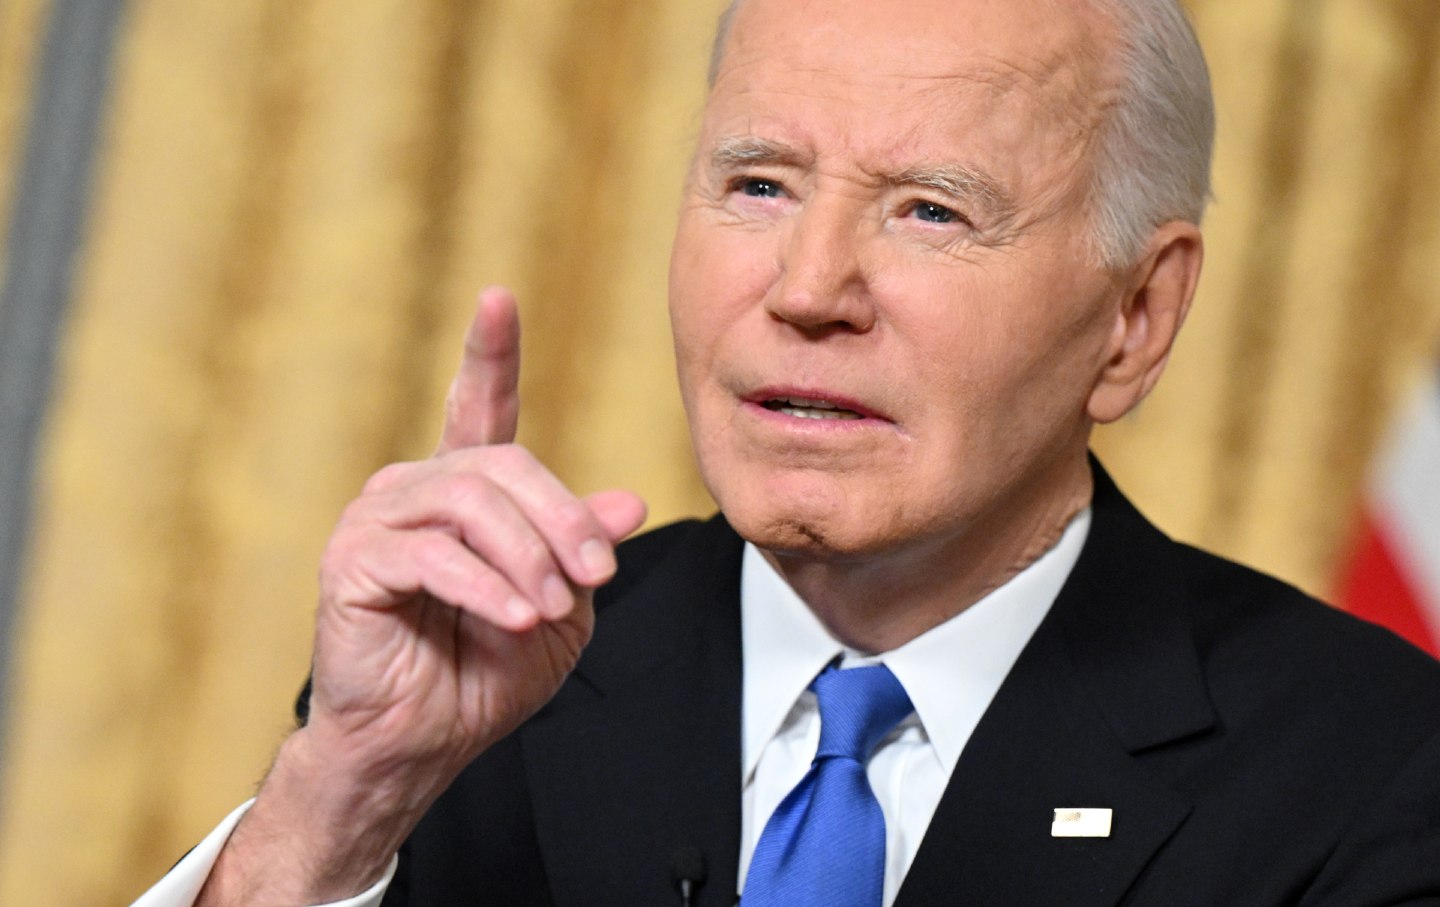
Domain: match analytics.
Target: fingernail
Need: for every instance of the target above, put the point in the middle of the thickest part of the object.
(598, 560)
(557, 595)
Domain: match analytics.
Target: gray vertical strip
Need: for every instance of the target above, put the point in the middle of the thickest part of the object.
(51, 200)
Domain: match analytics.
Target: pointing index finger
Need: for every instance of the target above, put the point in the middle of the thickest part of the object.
(483, 405)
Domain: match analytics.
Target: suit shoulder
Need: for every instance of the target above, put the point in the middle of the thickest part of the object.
(1279, 636)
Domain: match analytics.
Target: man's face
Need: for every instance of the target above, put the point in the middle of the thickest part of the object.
(886, 323)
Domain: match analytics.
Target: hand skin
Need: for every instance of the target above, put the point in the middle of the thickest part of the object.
(455, 597)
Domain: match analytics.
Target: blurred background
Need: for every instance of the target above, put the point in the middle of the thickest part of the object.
(241, 241)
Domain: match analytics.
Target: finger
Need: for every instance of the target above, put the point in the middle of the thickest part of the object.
(475, 509)
(393, 476)
(583, 545)
(620, 512)
(388, 568)
(483, 405)
(458, 490)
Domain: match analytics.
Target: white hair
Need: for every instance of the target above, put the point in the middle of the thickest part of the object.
(1152, 158)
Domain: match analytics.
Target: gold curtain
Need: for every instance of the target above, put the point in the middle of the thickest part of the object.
(1320, 304)
(295, 204)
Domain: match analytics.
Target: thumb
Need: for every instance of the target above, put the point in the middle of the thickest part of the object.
(620, 512)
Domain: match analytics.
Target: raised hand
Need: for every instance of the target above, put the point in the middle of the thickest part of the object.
(455, 592)
(455, 596)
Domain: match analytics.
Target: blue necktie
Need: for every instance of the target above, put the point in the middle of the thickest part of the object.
(825, 844)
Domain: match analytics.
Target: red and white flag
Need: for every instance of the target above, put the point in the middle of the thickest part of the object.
(1393, 577)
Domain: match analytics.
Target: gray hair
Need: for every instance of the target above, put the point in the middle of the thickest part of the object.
(1152, 159)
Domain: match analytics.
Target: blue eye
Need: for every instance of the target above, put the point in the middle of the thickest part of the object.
(935, 214)
(758, 188)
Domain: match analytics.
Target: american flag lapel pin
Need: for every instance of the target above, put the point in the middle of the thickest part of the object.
(1081, 822)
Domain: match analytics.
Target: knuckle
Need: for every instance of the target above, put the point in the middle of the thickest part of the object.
(345, 568)
(387, 478)
(487, 586)
(332, 564)
(436, 557)
(532, 556)
(467, 491)
(571, 517)
(455, 575)
(512, 459)
(392, 475)
(356, 513)
(341, 551)
(427, 552)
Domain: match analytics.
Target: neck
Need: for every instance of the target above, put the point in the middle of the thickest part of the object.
(879, 604)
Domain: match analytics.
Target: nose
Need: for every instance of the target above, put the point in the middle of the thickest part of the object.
(822, 287)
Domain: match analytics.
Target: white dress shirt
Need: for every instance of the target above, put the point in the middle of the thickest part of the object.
(950, 673)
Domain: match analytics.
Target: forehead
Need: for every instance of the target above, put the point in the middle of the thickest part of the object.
(1041, 39)
(902, 75)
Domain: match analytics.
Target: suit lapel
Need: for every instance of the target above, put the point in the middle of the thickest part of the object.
(1110, 676)
(624, 769)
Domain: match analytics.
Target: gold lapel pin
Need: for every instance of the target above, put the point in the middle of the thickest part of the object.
(1081, 822)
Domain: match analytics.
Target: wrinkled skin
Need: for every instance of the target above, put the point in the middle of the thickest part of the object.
(894, 219)
(455, 597)
(886, 216)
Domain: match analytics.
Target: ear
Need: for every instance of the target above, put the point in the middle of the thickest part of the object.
(1156, 297)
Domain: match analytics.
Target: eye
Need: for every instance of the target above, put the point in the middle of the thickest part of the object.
(935, 214)
(760, 188)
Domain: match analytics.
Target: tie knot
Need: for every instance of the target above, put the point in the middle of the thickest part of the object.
(858, 707)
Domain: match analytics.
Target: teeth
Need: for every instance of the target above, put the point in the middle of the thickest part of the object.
(812, 404)
(805, 408)
(818, 413)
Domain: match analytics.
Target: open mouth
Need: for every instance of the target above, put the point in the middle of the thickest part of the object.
(805, 408)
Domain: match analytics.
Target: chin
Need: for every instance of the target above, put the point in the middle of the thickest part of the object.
(788, 534)
(833, 527)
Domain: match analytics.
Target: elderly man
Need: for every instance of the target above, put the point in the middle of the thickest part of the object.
(928, 653)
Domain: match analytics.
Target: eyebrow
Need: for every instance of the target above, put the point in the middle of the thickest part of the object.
(734, 151)
(959, 181)
(955, 180)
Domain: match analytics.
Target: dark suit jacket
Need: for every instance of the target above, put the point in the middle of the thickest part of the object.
(1256, 747)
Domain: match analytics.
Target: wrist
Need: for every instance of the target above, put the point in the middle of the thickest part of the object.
(322, 829)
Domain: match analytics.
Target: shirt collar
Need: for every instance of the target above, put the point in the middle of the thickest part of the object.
(951, 672)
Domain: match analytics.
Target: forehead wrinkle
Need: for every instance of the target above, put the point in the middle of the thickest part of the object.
(1065, 85)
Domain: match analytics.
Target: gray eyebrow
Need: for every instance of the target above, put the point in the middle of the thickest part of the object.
(734, 150)
(960, 182)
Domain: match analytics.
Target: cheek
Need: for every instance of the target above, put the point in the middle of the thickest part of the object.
(716, 276)
(953, 332)
(996, 362)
